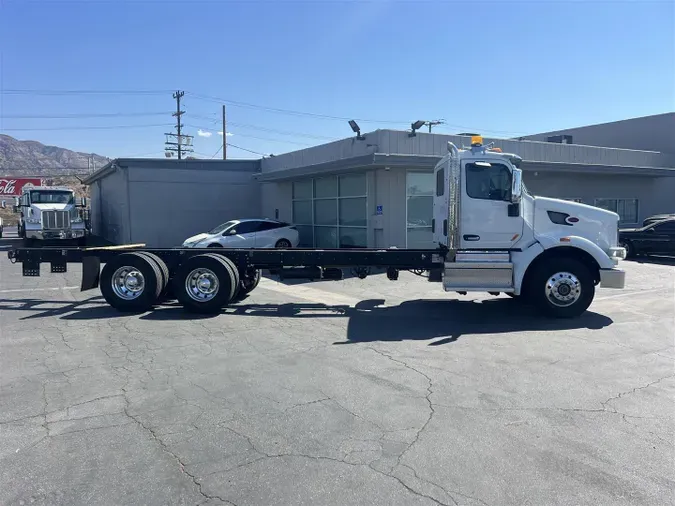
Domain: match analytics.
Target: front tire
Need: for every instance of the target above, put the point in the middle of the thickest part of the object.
(562, 287)
(283, 244)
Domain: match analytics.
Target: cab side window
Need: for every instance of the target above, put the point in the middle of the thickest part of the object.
(488, 181)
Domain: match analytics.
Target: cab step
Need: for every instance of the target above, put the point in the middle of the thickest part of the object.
(479, 271)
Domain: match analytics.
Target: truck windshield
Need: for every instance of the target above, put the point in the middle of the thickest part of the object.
(52, 197)
(221, 228)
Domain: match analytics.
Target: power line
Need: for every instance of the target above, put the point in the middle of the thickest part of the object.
(264, 129)
(290, 111)
(256, 137)
(14, 91)
(106, 127)
(244, 149)
(83, 115)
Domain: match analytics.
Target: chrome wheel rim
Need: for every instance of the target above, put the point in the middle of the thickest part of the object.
(202, 285)
(563, 289)
(128, 282)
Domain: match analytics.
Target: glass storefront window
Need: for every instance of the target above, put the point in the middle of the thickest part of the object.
(420, 188)
(302, 190)
(326, 187)
(353, 185)
(331, 212)
(325, 212)
(326, 237)
(353, 212)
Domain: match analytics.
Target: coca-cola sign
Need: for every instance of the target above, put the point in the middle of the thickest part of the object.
(12, 187)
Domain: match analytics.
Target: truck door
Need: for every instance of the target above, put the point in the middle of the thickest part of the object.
(488, 218)
(439, 224)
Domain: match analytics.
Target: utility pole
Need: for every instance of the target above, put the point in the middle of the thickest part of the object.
(178, 95)
(434, 123)
(183, 143)
(224, 136)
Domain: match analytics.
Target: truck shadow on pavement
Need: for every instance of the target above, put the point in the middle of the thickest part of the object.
(368, 321)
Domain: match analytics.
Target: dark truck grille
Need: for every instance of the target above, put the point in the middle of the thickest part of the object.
(55, 220)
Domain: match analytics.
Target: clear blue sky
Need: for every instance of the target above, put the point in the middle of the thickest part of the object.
(500, 68)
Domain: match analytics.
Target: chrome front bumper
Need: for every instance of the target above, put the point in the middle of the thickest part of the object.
(55, 234)
(612, 278)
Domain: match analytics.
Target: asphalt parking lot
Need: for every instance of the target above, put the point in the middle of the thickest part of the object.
(355, 392)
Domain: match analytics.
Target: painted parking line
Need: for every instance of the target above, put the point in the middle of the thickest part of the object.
(631, 294)
(309, 294)
(55, 289)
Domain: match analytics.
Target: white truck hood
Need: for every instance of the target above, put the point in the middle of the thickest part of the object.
(52, 207)
(597, 225)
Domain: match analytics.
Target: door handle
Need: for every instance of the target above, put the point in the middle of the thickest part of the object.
(471, 237)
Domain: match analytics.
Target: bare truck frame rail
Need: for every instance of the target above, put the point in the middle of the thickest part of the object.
(135, 278)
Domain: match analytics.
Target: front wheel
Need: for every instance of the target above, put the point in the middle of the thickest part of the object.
(283, 244)
(630, 249)
(562, 287)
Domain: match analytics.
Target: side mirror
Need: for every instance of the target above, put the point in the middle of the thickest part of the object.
(232, 231)
(4, 205)
(83, 202)
(17, 202)
(517, 186)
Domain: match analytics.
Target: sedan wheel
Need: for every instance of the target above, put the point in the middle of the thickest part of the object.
(628, 247)
(283, 243)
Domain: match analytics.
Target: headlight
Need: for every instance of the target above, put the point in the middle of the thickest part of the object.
(76, 219)
(619, 253)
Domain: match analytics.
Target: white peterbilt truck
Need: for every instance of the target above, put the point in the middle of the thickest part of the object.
(490, 234)
(50, 212)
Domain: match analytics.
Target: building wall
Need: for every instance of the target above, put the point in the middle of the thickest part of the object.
(209, 197)
(277, 196)
(110, 208)
(399, 142)
(588, 187)
(650, 133)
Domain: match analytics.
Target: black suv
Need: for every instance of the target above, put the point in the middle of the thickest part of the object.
(657, 237)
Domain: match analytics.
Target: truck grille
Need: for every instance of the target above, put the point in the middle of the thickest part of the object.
(55, 220)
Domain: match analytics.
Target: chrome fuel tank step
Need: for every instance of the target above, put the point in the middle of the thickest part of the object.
(479, 271)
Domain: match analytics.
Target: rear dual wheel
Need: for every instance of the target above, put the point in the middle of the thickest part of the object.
(133, 282)
(206, 283)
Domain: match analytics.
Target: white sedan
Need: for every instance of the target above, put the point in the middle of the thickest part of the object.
(260, 233)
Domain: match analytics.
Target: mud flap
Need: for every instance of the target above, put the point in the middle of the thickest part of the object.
(91, 272)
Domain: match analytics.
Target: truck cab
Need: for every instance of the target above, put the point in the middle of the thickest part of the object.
(501, 238)
(47, 212)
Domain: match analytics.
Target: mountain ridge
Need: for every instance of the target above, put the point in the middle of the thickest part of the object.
(23, 158)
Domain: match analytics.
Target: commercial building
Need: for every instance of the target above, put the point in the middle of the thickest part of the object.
(376, 189)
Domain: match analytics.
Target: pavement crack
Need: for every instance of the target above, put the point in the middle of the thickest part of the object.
(632, 391)
(168, 451)
(427, 397)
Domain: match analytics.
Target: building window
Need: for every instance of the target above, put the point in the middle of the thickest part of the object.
(627, 209)
(420, 188)
(331, 212)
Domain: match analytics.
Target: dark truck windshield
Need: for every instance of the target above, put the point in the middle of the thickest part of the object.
(51, 197)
